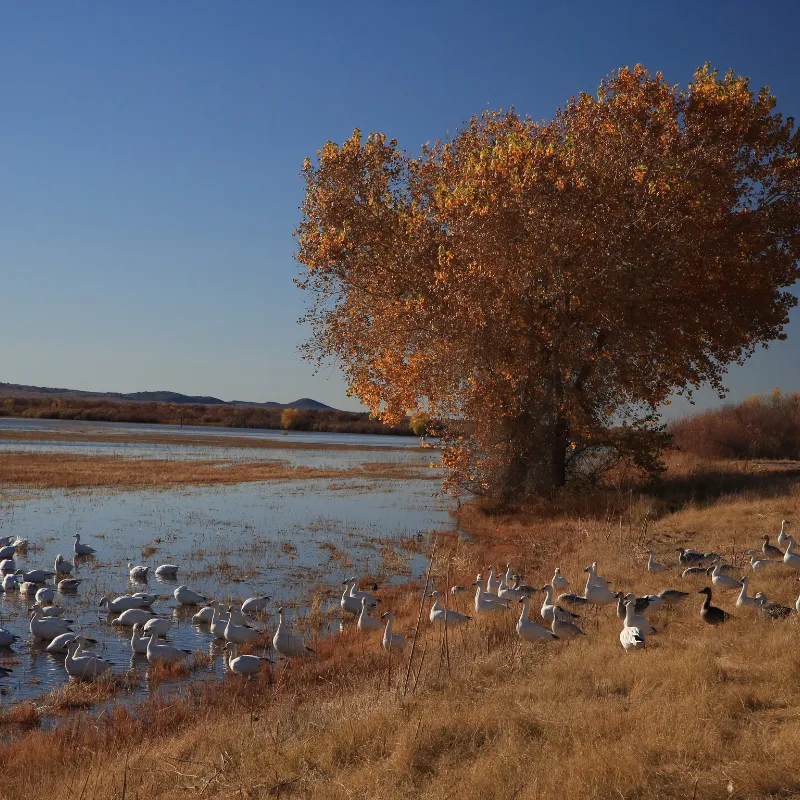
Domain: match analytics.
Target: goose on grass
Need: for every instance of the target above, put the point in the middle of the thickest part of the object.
(563, 628)
(245, 665)
(528, 629)
(392, 641)
(367, 623)
(445, 616)
(547, 610)
(769, 550)
(286, 643)
(653, 565)
(711, 614)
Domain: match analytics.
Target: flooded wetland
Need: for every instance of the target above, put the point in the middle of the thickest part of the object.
(330, 510)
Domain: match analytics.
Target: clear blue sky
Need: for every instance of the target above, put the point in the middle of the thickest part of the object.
(150, 154)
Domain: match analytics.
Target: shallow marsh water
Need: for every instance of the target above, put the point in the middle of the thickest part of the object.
(291, 540)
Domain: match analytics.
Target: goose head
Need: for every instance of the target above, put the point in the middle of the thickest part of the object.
(548, 587)
(231, 648)
(104, 601)
(387, 615)
(706, 591)
(436, 595)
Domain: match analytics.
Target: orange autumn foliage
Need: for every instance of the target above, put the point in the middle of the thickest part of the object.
(544, 286)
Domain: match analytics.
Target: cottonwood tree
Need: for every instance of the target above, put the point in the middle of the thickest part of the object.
(545, 286)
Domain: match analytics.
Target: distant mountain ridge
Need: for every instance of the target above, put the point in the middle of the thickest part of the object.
(21, 390)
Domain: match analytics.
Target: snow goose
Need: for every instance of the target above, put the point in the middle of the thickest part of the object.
(634, 620)
(745, 599)
(711, 614)
(204, 615)
(529, 630)
(563, 628)
(167, 571)
(138, 574)
(4, 541)
(695, 571)
(797, 603)
(59, 644)
(66, 585)
(8, 565)
(509, 576)
(47, 628)
(164, 652)
(653, 565)
(287, 644)
(62, 566)
(457, 590)
(159, 626)
(45, 595)
(689, 557)
(597, 580)
(6, 638)
(254, 605)
(132, 616)
(445, 616)
(506, 592)
(123, 603)
(769, 550)
(367, 623)
(492, 583)
(485, 601)
(392, 642)
(783, 536)
(349, 603)
(244, 665)
(547, 610)
(790, 558)
(7, 552)
(723, 581)
(559, 582)
(35, 575)
(772, 610)
(10, 583)
(186, 597)
(146, 597)
(219, 621)
(235, 629)
(761, 563)
(358, 594)
(50, 611)
(598, 595)
(138, 641)
(85, 666)
(631, 638)
(80, 548)
(21, 543)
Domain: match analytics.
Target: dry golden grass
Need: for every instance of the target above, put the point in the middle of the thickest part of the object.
(702, 713)
(70, 471)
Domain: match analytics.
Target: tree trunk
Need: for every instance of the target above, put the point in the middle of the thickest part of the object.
(558, 458)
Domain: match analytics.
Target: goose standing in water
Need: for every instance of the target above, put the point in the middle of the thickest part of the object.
(132, 616)
(7, 552)
(159, 626)
(6, 638)
(528, 629)
(559, 582)
(286, 643)
(122, 603)
(138, 641)
(255, 605)
(769, 550)
(82, 549)
(563, 628)
(47, 628)
(367, 623)
(138, 574)
(8, 565)
(356, 593)
(219, 621)
(164, 652)
(653, 565)
(711, 614)
(186, 597)
(49, 612)
(10, 583)
(66, 585)
(62, 566)
(45, 595)
(204, 615)
(348, 603)
(35, 575)
(85, 666)
(445, 616)
(167, 571)
(59, 644)
(236, 630)
(392, 642)
(244, 665)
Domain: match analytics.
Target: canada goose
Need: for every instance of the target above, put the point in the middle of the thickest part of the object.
(769, 550)
(529, 630)
(711, 614)
(392, 642)
(286, 643)
(442, 616)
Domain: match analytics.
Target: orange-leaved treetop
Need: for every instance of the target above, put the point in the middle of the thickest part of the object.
(542, 288)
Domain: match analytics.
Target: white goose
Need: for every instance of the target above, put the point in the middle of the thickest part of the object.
(219, 621)
(186, 597)
(138, 641)
(631, 638)
(35, 575)
(445, 616)
(59, 644)
(84, 666)
(10, 583)
(745, 599)
(356, 593)
(45, 595)
(286, 643)
(50, 611)
(123, 603)
(509, 592)
(236, 630)
(138, 574)
(254, 605)
(783, 536)
(244, 665)
(634, 620)
(761, 563)
(133, 616)
(486, 602)
(47, 628)
(509, 576)
(598, 595)
(597, 580)
(6, 638)
(367, 623)
(790, 558)
(653, 565)
(146, 597)
(62, 566)
(66, 585)
(547, 610)
(164, 652)
(529, 630)
(559, 582)
(167, 571)
(159, 626)
(8, 565)
(723, 581)
(392, 642)
(204, 615)
(562, 627)
(7, 551)
(492, 584)
(82, 549)
(348, 603)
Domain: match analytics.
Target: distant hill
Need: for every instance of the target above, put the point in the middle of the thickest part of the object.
(21, 390)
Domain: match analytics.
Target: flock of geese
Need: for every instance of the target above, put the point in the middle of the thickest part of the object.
(495, 594)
